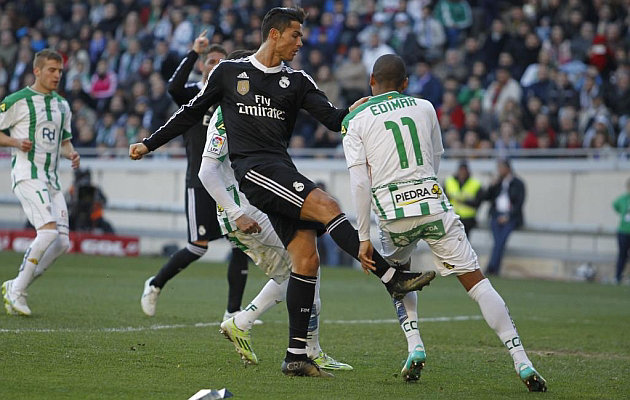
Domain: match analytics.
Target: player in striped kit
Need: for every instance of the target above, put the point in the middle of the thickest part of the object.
(250, 230)
(393, 145)
(38, 122)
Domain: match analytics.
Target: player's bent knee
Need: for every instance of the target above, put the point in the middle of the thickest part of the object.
(64, 243)
(306, 265)
(47, 236)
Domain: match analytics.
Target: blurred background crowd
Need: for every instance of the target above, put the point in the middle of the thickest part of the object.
(501, 74)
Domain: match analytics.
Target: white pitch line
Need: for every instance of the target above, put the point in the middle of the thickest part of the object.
(210, 324)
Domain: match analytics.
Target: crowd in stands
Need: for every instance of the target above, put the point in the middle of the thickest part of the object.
(501, 74)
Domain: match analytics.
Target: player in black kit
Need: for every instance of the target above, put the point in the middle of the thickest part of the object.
(260, 97)
(200, 207)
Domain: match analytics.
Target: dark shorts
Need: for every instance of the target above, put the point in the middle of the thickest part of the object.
(279, 191)
(201, 215)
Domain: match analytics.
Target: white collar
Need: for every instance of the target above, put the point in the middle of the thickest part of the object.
(263, 68)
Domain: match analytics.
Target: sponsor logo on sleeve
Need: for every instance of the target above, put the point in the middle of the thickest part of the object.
(216, 144)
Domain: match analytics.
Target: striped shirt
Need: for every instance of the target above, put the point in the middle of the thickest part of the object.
(397, 136)
(44, 119)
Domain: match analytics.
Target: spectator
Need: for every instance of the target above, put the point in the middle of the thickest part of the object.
(464, 193)
(327, 82)
(472, 53)
(453, 66)
(373, 50)
(621, 205)
(182, 33)
(451, 108)
(499, 91)
(495, 43)
(617, 95)
(456, 16)
(623, 139)
(52, 24)
(110, 20)
(352, 76)
(542, 88)
(164, 60)
(558, 46)
(103, 84)
(580, 44)
(22, 67)
(507, 139)
(542, 136)
(424, 85)
(471, 90)
(562, 93)
(430, 35)
(8, 48)
(378, 27)
(130, 61)
(506, 195)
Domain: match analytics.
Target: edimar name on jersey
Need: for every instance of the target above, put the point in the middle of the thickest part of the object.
(260, 111)
(392, 105)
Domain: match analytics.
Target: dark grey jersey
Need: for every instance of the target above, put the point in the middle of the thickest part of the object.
(259, 107)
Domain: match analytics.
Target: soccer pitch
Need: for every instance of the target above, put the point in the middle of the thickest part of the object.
(88, 338)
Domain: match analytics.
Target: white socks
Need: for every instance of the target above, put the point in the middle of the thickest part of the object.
(270, 295)
(498, 318)
(56, 249)
(407, 312)
(32, 257)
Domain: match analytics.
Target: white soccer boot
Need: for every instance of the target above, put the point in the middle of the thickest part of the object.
(14, 302)
(149, 298)
(227, 315)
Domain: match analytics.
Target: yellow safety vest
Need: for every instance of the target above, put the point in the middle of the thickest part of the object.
(457, 195)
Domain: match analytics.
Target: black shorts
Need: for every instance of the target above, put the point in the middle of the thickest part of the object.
(201, 215)
(279, 191)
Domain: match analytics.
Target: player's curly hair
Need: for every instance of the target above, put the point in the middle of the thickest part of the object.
(280, 18)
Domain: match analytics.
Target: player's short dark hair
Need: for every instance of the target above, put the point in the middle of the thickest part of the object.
(217, 48)
(389, 69)
(236, 54)
(46, 54)
(280, 18)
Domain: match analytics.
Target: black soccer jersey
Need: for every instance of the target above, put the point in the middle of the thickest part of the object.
(182, 92)
(259, 106)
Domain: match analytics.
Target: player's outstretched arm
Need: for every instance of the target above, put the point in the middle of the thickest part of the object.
(137, 151)
(68, 151)
(20, 144)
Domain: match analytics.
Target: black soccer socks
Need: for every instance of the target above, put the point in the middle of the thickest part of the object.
(237, 278)
(347, 238)
(300, 295)
(178, 262)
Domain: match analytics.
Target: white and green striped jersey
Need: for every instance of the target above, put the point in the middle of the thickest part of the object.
(44, 119)
(397, 136)
(217, 148)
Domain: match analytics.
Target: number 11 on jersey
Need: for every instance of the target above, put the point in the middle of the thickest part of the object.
(400, 144)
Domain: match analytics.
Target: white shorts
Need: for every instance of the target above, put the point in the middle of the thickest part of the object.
(42, 204)
(264, 248)
(444, 233)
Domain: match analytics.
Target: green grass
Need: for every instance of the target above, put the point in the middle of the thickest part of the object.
(577, 334)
